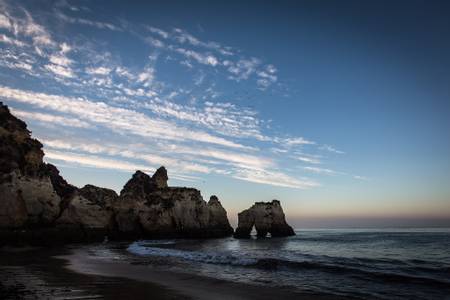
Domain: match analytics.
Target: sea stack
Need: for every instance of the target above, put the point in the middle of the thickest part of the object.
(267, 217)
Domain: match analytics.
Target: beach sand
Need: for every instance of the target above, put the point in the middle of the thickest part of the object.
(73, 273)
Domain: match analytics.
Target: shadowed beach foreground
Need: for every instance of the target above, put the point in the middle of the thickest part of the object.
(73, 273)
(314, 264)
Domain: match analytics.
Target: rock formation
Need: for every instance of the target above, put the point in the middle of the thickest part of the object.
(148, 206)
(28, 198)
(89, 210)
(36, 201)
(267, 217)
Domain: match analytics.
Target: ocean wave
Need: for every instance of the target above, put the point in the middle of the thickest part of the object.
(204, 257)
(363, 271)
(343, 266)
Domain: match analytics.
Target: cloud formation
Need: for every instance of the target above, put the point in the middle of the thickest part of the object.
(186, 121)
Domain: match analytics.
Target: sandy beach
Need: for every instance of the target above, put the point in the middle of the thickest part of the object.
(35, 273)
(73, 273)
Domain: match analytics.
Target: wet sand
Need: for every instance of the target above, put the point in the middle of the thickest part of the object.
(36, 273)
(73, 273)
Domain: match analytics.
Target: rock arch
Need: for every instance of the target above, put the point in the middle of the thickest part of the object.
(267, 217)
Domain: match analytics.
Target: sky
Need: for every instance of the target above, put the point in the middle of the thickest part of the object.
(340, 109)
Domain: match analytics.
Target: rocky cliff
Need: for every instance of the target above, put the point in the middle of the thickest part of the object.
(28, 198)
(267, 217)
(36, 202)
(147, 205)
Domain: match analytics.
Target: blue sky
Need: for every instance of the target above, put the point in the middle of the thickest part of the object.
(340, 110)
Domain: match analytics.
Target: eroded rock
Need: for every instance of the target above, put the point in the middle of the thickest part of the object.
(218, 219)
(267, 217)
(36, 202)
(149, 207)
(90, 208)
(160, 178)
(27, 196)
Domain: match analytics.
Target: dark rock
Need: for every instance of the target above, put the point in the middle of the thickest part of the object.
(218, 219)
(152, 209)
(18, 151)
(89, 209)
(62, 188)
(267, 217)
(38, 204)
(160, 178)
(28, 198)
(138, 186)
(103, 197)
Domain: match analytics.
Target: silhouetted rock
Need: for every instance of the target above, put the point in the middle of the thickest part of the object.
(18, 151)
(218, 219)
(27, 195)
(90, 209)
(139, 185)
(62, 188)
(37, 203)
(267, 217)
(160, 178)
(148, 207)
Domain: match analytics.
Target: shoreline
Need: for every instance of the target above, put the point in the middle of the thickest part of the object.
(65, 272)
(192, 286)
(42, 273)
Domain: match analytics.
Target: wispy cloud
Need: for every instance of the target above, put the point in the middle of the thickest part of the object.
(225, 118)
(117, 119)
(182, 36)
(95, 161)
(296, 141)
(98, 70)
(82, 21)
(60, 70)
(24, 27)
(274, 178)
(363, 178)
(153, 159)
(322, 171)
(188, 121)
(5, 22)
(160, 32)
(206, 59)
(47, 118)
(331, 149)
(12, 41)
(308, 159)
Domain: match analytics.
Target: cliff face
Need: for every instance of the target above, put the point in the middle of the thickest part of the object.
(147, 205)
(36, 200)
(267, 217)
(89, 209)
(28, 198)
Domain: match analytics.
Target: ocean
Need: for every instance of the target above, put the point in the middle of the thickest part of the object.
(353, 263)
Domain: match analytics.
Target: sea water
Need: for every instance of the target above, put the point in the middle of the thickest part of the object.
(362, 263)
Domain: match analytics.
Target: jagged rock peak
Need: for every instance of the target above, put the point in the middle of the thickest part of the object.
(160, 178)
(18, 151)
(10, 122)
(141, 184)
(101, 196)
(267, 217)
(27, 196)
(61, 186)
(213, 200)
(36, 199)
